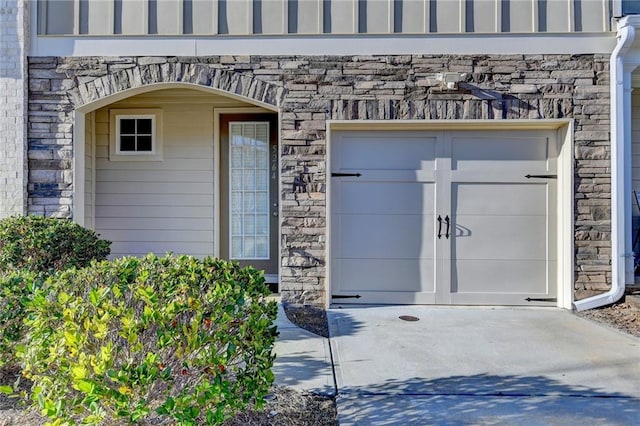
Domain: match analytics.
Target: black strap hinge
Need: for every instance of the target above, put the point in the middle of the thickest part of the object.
(541, 176)
(346, 174)
(542, 299)
(346, 296)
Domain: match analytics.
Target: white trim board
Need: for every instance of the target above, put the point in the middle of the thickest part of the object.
(402, 44)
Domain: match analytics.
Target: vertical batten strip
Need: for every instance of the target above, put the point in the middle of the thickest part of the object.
(498, 16)
(76, 17)
(535, 22)
(250, 17)
(427, 16)
(355, 6)
(285, 17)
(391, 16)
(462, 13)
(215, 4)
(180, 18)
(111, 16)
(572, 16)
(320, 4)
(145, 16)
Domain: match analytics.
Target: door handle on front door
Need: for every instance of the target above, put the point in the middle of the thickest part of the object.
(446, 219)
(439, 227)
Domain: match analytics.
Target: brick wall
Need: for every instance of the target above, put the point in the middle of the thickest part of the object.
(310, 90)
(13, 105)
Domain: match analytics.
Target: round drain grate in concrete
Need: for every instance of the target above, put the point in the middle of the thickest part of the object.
(409, 318)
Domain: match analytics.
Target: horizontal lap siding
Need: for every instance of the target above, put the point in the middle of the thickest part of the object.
(163, 205)
(246, 17)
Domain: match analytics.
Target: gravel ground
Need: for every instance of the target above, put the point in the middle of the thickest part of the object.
(624, 316)
(288, 407)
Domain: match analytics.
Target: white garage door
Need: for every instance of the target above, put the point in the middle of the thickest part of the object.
(464, 217)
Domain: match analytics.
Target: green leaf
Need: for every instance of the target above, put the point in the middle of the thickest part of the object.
(7, 390)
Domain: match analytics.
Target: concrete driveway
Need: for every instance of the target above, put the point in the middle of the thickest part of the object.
(489, 366)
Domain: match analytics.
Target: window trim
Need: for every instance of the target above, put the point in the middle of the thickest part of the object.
(116, 115)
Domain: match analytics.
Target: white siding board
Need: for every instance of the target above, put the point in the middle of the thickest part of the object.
(172, 164)
(134, 18)
(178, 176)
(483, 17)
(272, 17)
(237, 17)
(343, 16)
(378, 16)
(590, 14)
(164, 199)
(557, 16)
(169, 17)
(204, 17)
(308, 17)
(448, 16)
(151, 224)
(521, 18)
(135, 211)
(413, 15)
(99, 16)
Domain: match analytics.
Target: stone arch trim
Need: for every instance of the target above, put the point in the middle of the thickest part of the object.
(232, 82)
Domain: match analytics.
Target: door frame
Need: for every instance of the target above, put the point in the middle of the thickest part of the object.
(217, 112)
(564, 194)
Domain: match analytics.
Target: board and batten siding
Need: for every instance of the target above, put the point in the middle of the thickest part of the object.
(272, 17)
(160, 206)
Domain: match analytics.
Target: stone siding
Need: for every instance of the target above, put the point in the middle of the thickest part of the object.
(14, 19)
(310, 90)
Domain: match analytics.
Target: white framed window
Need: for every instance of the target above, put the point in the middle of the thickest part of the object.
(135, 135)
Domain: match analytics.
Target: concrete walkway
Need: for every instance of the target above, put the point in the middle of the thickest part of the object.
(482, 366)
(303, 359)
(456, 365)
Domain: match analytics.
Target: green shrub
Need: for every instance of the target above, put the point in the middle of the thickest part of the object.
(16, 288)
(174, 336)
(42, 244)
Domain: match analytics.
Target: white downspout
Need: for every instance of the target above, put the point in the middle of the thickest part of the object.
(620, 172)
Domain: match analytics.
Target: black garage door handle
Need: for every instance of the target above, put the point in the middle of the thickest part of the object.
(446, 219)
(439, 227)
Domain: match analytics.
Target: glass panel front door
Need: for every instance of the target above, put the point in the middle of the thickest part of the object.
(249, 190)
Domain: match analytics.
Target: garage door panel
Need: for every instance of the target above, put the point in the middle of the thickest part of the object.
(386, 198)
(384, 151)
(495, 153)
(500, 237)
(499, 277)
(384, 245)
(386, 236)
(397, 275)
(500, 199)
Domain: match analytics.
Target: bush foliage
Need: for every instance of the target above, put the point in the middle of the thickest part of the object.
(42, 244)
(16, 287)
(137, 338)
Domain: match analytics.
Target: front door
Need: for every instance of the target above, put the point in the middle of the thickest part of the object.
(249, 190)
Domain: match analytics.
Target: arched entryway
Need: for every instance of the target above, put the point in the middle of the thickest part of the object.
(180, 167)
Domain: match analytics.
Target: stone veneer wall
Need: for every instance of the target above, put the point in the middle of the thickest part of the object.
(13, 106)
(311, 90)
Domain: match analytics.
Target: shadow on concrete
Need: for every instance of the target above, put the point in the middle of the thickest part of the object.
(480, 399)
(343, 324)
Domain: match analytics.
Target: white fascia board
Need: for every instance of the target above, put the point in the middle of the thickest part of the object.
(401, 44)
